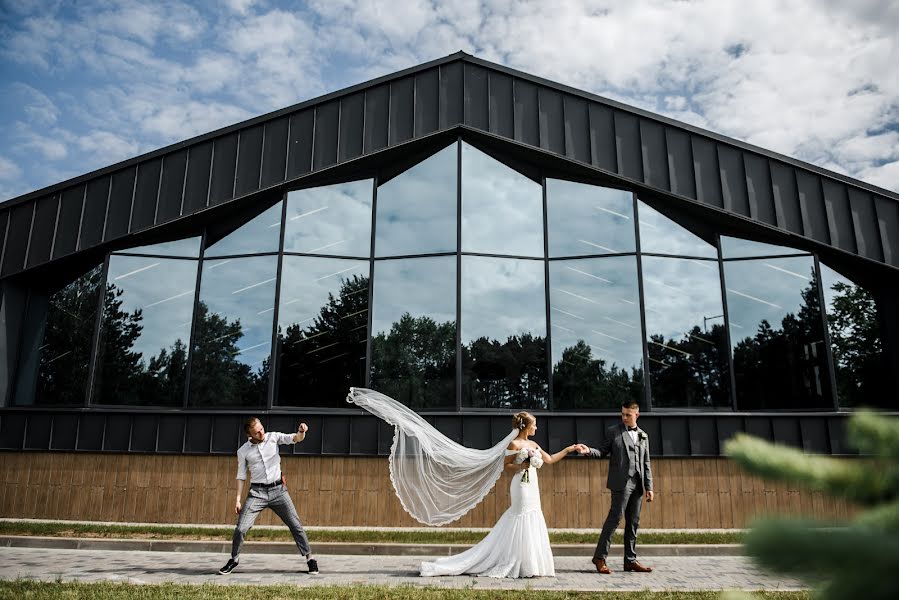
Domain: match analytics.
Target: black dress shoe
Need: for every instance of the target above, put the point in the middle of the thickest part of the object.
(312, 564)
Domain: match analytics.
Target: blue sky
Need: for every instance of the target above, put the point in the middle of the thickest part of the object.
(89, 83)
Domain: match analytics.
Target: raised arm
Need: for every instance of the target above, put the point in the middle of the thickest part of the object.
(554, 458)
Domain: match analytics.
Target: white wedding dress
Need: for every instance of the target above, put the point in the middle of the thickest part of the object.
(517, 546)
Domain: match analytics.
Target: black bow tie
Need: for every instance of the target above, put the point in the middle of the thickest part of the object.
(632, 429)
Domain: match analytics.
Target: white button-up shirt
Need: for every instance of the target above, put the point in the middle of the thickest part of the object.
(633, 434)
(262, 459)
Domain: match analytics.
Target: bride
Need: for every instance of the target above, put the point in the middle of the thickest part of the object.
(438, 481)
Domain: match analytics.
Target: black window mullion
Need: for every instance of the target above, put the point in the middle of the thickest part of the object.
(193, 323)
(548, 340)
(828, 348)
(459, 274)
(730, 347)
(647, 368)
(371, 281)
(274, 352)
(95, 343)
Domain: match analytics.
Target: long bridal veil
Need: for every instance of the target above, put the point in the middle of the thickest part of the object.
(436, 479)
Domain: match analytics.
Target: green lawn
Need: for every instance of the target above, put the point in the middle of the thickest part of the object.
(437, 536)
(104, 591)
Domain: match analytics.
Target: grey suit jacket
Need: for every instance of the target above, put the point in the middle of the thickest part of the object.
(625, 458)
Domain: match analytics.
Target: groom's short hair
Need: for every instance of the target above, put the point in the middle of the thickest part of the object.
(249, 424)
(630, 404)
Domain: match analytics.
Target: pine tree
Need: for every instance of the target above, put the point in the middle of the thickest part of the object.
(857, 560)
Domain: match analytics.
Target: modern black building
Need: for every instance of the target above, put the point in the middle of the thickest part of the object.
(466, 238)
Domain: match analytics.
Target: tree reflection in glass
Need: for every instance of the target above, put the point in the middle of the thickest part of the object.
(259, 234)
(588, 219)
(417, 208)
(777, 334)
(503, 333)
(502, 210)
(334, 220)
(322, 330)
(597, 344)
(66, 347)
(414, 331)
(661, 235)
(854, 325)
(686, 340)
(145, 331)
(233, 335)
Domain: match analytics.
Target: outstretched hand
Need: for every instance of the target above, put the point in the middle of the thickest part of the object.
(302, 428)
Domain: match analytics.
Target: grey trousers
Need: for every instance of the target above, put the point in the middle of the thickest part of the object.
(627, 502)
(279, 501)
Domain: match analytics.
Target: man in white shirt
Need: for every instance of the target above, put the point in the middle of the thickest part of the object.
(259, 455)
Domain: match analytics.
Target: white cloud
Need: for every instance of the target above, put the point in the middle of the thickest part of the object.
(9, 171)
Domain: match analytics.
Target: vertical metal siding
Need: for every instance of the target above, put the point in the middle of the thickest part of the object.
(299, 150)
(402, 102)
(249, 161)
(69, 219)
(786, 431)
(501, 105)
(733, 180)
(335, 436)
(91, 429)
(864, 221)
(427, 93)
(814, 435)
(577, 128)
(324, 145)
(42, 230)
(475, 94)
(65, 429)
(171, 434)
(118, 210)
(94, 214)
(352, 115)
(627, 144)
(143, 434)
(377, 112)
(705, 167)
(199, 434)
(226, 431)
(680, 162)
(4, 225)
(703, 436)
(12, 431)
(118, 433)
(37, 437)
(675, 437)
(171, 188)
(652, 150)
(451, 103)
(146, 192)
(839, 216)
(811, 206)
(602, 138)
(758, 184)
(525, 114)
(888, 220)
(552, 124)
(274, 152)
(364, 439)
(224, 161)
(786, 198)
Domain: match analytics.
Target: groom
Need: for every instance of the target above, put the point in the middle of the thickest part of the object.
(630, 477)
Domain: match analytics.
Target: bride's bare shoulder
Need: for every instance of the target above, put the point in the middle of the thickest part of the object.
(515, 445)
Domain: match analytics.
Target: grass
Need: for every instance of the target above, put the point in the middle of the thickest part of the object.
(103, 591)
(437, 536)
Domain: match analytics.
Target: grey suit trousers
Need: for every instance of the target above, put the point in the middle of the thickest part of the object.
(278, 500)
(627, 502)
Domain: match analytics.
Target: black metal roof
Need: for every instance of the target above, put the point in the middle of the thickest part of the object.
(676, 161)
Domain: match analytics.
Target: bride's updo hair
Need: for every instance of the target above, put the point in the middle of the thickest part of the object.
(523, 420)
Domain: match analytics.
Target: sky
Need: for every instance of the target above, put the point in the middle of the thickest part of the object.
(86, 84)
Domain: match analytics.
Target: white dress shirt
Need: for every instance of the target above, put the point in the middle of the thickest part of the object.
(262, 459)
(633, 435)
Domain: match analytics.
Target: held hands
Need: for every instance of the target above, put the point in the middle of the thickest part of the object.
(581, 448)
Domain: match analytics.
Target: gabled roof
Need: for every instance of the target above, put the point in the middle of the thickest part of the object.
(640, 149)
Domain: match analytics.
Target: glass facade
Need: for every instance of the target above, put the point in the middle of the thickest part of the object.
(459, 284)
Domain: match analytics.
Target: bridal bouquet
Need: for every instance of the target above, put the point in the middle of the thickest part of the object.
(532, 457)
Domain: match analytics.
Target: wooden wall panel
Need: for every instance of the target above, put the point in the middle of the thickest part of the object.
(693, 493)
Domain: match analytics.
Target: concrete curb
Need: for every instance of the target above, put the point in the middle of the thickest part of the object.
(339, 548)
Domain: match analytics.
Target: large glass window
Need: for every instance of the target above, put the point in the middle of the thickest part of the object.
(233, 333)
(597, 347)
(854, 325)
(588, 219)
(777, 334)
(414, 331)
(661, 235)
(322, 330)
(503, 333)
(685, 334)
(259, 235)
(145, 331)
(739, 248)
(502, 210)
(63, 356)
(334, 220)
(417, 208)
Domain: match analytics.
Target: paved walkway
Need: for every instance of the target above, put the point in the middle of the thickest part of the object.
(572, 573)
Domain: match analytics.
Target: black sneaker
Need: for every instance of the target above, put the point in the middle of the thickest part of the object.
(229, 566)
(312, 565)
